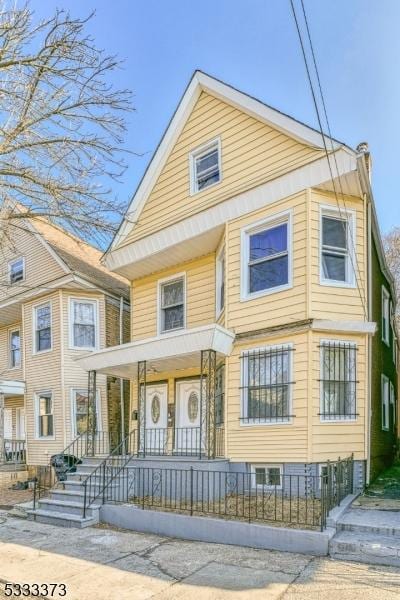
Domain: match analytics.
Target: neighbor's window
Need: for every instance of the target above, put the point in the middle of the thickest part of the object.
(393, 404)
(205, 166)
(172, 304)
(15, 348)
(385, 316)
(266, 385)
(42, 328)
(45, 424)
(16, 270)
(266, 476)
(336, 249)
(83, 325)
(338, 381)
(385, 402)
(80, 410)
(266, 256)
(220, 278)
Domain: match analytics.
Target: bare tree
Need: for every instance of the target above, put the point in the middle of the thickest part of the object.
(62, 124)
(391, 244)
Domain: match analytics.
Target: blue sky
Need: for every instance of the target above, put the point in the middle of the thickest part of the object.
(253, 45)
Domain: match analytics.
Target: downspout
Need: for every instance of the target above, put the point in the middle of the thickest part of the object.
(121, 381)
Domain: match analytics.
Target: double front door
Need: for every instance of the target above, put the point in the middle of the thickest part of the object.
(184, 437)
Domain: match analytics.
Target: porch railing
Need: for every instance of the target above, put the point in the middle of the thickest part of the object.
(179, 441)
(14, 451)
(297, 500)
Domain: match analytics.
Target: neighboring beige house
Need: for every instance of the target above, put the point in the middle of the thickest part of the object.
(57, 302)
(260, 296)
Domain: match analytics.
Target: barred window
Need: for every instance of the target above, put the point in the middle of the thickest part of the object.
(338, 381)
(266, 385)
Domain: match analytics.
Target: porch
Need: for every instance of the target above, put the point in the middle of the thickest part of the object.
(178, 390)
(12, 424)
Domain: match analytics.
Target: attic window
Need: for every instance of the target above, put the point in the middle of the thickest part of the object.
(205, 166)
(16, 270)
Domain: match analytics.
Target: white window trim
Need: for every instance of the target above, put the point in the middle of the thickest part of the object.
(257, 486)
(10, 263)
(343, 420)
(393, 402)
(385, 333)
(95, 303)
(160, 283)
(385, 400)
(12, 330)
(82, 391)
(350, 215)
(37, 436)
(194, 154)
(218, 280)
(246, 232)
(243, 403)
(34, 308)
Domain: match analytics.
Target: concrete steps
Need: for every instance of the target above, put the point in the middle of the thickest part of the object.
(368, 536)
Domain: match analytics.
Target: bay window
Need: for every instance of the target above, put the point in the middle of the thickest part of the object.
(338, 381)
(336, 247)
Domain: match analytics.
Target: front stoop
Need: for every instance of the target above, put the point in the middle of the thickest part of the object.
(64, 505)
(368, 536)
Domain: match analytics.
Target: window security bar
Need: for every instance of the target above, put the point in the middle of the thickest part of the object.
(338, 381)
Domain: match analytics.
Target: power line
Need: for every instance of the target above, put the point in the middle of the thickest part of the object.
(324, 139)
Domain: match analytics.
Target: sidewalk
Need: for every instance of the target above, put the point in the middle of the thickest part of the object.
(104, 564)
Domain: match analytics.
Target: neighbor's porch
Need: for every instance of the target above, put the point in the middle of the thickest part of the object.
(178, 382)
(12, 424)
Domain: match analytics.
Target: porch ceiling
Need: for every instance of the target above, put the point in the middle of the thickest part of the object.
(166, 352)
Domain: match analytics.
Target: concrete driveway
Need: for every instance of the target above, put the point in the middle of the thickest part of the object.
(104, 564)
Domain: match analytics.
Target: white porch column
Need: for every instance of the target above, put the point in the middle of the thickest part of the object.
(2, 457)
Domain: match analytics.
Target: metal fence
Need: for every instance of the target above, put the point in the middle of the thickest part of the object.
(290, 500)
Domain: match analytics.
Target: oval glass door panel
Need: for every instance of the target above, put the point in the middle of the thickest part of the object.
(193, 407)
(155, 409)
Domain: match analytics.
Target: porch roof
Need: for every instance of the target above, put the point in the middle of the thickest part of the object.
(10, 387)
(166, 352)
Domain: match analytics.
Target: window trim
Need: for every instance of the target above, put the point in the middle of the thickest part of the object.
(35, 351)
(262, 225)
(352, 419)
(330, 210)
(160, 283)
(221, 254)
(37, 436)
(83, 300)
(198, 152)
(12, 330)
(258, 486)
(385, 296)
(9, 266)
(81, 390)
(244, 408)
(385, 402)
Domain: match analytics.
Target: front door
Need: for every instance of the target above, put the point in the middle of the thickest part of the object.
(156, 418)
(187, 422)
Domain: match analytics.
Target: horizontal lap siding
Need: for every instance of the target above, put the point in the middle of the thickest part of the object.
(200, 297)
(252, 153)
(275, 308)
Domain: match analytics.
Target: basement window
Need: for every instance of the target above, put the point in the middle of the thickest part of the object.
(205, 166)
(266, 476)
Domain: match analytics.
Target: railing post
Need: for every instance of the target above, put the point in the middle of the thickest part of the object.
(91, 412)
(191, 491)
(141, 383)
(84, 499)
(104, 483)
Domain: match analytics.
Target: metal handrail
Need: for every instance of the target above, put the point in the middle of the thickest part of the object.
(114, 462)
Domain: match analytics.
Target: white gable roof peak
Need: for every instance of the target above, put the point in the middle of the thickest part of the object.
(255, 108)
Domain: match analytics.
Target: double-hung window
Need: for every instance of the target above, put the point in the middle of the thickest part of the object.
(205, 167)
(266, 385)
(80, 408)
(336, 248)
(15, 348)
(172, 304)
(338, 381)
(42, 328)
(385, 316)
(83, 319)
(45, 416)
(265, 258)
(385, 391)
(16, 270)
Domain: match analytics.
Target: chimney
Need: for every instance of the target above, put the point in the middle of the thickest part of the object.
(363, 148)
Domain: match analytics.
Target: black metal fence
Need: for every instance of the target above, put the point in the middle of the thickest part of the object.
(291, 500)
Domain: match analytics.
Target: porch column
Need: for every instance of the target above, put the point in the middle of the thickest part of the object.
(2, 456)
(141, 383)
(91, 415)
(207, 402)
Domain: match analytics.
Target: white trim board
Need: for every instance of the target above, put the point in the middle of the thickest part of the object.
(253, 107)
(142, 257)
